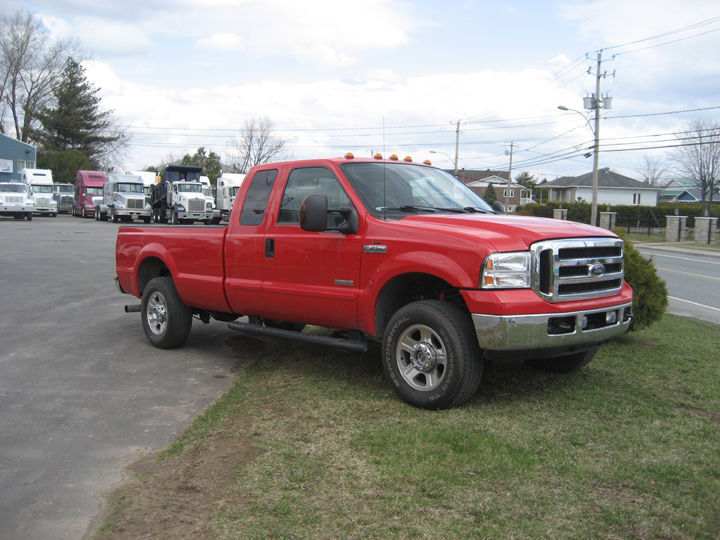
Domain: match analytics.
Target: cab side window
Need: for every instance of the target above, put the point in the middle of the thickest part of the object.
(256, 199)
(307, 181)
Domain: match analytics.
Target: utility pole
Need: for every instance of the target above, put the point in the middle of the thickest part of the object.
(509, 183)
(457, 147)
(596, 150)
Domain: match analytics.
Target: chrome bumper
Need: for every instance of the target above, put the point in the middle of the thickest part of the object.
(551, 331)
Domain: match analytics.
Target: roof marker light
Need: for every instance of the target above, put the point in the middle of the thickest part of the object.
(427, 162)
(408, 159)
(378, 156)
(349, 155)
(394, 157)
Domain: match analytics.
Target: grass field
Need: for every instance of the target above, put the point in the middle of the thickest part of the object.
(312, 443)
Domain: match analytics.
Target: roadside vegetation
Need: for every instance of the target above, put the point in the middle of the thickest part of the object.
(311, 443)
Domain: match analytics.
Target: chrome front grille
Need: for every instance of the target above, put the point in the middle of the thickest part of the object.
(14, 199)
(136, 203)
(66, 199)
(578, 269)
(196, 205)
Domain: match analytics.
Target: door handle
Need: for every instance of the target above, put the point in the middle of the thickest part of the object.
(269, 248)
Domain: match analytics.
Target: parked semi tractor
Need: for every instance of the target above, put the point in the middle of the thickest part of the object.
(227, 188)
(40, 190)
(64, 195)
(149, 179)
(387, 251)
(178, 197)
(88, 192)
(123, 199)
(15, 200)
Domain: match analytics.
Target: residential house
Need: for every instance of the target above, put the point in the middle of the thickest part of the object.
(14, 157)
(684, 190)
(511, 194)
(613, 189)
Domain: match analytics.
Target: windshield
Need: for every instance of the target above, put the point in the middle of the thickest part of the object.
(130, 187)
(393, 189)
(234, 191)
(12, 188)
(65, 189)
(91, 190)
(42, 189)
(189, 188)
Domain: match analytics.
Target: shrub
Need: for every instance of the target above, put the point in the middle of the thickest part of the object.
(650, 297)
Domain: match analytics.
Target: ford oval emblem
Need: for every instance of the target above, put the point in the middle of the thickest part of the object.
(597, 269)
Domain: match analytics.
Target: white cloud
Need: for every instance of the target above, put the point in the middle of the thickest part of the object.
(227, 41)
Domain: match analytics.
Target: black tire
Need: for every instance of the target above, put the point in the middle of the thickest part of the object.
(115, 218)
(146, 220)
(563, 364)
(29, 216)
(174, 217)
(18, 216)
(166, 319)
(431, 355)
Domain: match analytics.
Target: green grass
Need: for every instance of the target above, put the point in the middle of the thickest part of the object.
(628, 448)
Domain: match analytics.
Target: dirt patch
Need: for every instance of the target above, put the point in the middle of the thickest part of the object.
(177, 496)
(715, 417)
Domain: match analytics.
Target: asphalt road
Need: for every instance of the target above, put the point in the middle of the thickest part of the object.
(692, 278)
(82, 392)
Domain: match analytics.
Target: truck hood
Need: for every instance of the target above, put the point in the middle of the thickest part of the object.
(503, 232)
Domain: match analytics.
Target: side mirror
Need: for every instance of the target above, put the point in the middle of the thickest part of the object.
(498, 207)
(314, 214)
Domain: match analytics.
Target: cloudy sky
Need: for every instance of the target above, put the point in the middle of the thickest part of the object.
(396, 76)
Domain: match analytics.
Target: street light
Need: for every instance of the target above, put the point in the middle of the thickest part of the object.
(596, 152)
(444, 154)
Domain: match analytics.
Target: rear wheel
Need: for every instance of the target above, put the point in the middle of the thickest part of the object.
(431, 355)
(563, 364)
(166, 319)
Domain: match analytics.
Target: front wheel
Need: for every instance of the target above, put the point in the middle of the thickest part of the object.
(29, 216)
(165, 317)
(563, 364)
(431, 355)
(174, 217)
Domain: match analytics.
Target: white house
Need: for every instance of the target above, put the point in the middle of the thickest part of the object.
(613, 189)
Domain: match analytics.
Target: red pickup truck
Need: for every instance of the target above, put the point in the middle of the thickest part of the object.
(390, 251)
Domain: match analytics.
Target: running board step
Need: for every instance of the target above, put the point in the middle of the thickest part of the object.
(337, 343)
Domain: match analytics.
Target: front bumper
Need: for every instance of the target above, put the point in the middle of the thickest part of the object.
(547, 335)
(11, 210)
(133, 213)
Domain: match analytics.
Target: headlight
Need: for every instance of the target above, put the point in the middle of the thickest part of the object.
(208, 207)
(507, 271)
(180, 208)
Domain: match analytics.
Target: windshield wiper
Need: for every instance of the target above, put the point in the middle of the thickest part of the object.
(417, 208)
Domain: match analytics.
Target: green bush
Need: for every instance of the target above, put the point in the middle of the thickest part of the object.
(650, 297)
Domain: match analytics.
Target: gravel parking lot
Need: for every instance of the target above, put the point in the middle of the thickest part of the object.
(82, 392)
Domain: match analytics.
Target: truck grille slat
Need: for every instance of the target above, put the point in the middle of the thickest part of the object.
(196, 205)
(578, 269)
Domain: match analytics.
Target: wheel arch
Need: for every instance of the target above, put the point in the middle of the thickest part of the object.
(151, 267)
(411, 287)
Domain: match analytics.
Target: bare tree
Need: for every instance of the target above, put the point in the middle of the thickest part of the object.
(31, 63)
(698, 157)
(654, 171)
(257, 144)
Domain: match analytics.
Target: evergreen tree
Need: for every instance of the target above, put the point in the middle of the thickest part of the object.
(76, 122)
(490, 195)
(210, 163)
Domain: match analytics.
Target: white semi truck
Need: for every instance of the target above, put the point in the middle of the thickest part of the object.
(227, 188)
(15, 200)
(179, 198)
(41, 190)
(123, 199)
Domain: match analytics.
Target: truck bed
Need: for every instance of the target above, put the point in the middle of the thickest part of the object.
(194, 255)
